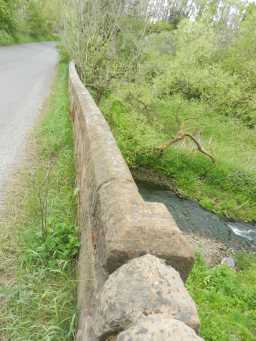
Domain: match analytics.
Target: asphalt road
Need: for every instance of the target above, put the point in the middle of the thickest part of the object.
(26, 72)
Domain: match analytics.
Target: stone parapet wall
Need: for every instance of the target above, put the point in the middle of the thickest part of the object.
(124, 241)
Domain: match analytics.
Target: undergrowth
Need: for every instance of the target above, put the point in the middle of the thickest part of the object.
(28, 21)
(6, 39)
(40, 301)
(226, 299)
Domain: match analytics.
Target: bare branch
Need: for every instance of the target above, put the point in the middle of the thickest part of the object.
(163, 147)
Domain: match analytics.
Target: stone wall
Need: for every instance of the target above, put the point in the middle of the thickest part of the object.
(133, 256)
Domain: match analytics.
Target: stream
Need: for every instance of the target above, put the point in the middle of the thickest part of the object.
(192, 218)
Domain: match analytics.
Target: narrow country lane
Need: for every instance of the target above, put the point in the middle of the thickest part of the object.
(26, 72)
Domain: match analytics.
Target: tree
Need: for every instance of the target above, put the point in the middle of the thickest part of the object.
(102, 37)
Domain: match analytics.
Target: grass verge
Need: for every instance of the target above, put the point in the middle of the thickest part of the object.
(226, 299)
(39, 235)
(7, 39)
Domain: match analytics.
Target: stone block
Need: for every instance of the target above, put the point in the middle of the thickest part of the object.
(144, 286)
(129, 228)
(159, 328)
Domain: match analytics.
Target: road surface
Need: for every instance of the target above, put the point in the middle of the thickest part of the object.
(26, 72)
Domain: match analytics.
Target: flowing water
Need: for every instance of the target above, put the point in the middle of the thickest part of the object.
(192, 218)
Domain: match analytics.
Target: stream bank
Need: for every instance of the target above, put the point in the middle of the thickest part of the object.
(214, 236)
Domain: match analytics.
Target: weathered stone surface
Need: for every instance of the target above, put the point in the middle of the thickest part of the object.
(116, 224)
(159, 328)
(124, 225)
(143, 287)
(132, 229)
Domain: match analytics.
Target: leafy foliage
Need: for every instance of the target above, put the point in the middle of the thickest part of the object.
(153, 80)
(24, 21)
(7, 17)
(187, 80)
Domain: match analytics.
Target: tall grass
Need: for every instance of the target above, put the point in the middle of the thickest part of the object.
(39, 299)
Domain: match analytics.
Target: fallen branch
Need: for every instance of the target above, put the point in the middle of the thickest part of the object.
(182, 137)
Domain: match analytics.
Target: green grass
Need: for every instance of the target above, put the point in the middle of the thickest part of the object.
(227, 187)
(226, 299)
(40, 297)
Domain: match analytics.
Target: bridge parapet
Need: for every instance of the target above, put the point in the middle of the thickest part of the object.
(118, 230)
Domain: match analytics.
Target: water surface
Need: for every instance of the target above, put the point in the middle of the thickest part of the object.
(192, 218)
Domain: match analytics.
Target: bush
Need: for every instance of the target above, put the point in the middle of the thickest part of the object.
(26, 21)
